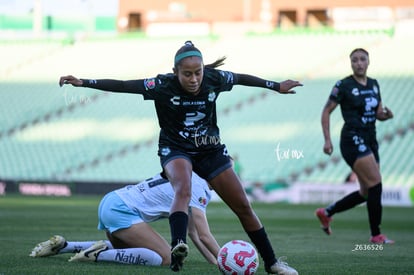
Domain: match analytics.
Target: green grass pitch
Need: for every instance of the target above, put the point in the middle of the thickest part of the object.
(293, 230)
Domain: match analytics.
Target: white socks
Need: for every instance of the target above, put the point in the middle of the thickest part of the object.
(75, 247)
(137, 256)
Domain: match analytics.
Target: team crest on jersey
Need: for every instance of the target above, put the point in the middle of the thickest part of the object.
(211, 96)
(362, 147)
(375, 88)
(149, 83)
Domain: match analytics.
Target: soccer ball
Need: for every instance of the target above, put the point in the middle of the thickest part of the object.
(237, 257)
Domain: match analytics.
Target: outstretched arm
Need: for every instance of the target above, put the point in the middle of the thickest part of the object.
(110, 85)
(199, 232)
(284, 87)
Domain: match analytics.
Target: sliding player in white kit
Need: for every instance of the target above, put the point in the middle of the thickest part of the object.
(125, 215)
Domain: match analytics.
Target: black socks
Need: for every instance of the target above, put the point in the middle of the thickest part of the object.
(374, 207)
(178, 226)
(260, 240)
(345, 203)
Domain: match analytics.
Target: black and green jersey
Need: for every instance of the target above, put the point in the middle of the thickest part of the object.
(187, 121)
(359, 103)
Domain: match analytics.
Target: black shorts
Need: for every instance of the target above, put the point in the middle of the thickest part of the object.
(355, 145)
(207, 164)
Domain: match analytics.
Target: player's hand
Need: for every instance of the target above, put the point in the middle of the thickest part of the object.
(328, 148)
(384, 113)
(70, 79)
(387, 113)
(287, 86)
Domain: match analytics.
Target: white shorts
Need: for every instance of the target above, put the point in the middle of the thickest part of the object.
(114, 214)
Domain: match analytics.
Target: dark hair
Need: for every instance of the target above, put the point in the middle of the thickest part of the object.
(188, 49)
(359, 50)
(217, 63)
(185, 51)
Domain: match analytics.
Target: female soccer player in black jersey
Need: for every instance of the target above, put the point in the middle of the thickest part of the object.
(185, 102)
(360, 100)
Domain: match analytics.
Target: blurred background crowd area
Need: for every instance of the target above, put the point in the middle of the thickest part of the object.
(53, 134)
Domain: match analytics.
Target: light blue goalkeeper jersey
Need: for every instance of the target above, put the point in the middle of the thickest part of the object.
(152, 198)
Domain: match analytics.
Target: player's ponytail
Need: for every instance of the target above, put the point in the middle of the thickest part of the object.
(217, 63)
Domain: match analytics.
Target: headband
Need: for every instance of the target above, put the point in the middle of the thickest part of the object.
(183, 55)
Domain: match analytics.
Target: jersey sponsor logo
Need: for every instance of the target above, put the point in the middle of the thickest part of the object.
(355, 92)
(149, 83)
(185, 135)
(366, 92)
(370, 106)
(175, 100)
(157, 182)
(191, 103)
(366, 120)
(192, 117)
(370, 103)
(121, 256)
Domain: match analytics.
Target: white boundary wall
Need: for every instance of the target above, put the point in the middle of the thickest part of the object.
(303, 192)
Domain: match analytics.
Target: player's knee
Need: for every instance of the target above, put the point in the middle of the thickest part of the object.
(243, 209)
(370, 180)
(182, 190)
(183, 194)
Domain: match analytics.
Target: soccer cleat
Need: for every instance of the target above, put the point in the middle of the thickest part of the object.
(280, 267)
(381, 239)
(90, 254)
(49, 247)
(324, 219)
(178, 255)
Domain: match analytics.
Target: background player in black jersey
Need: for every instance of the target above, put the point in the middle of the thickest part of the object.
(360, 100)
(185, 102)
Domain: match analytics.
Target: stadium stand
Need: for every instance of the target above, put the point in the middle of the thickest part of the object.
(50, 133)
